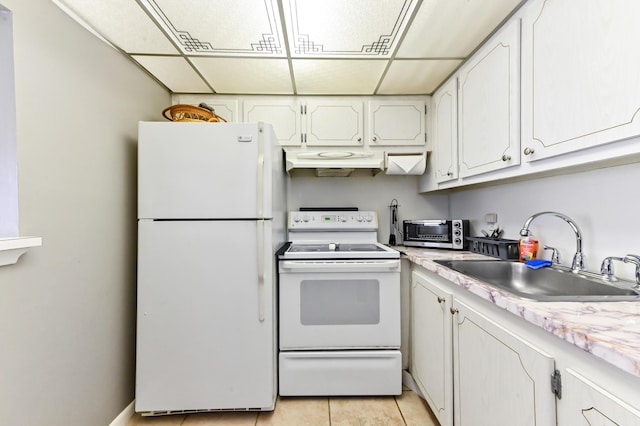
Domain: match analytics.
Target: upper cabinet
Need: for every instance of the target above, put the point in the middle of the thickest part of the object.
(397, 123)
(557, 87)
(333, 123)
(445, 131)
(581, 75)
(489, 105)
(284, 115)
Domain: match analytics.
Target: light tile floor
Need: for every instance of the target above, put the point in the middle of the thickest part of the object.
(407, 409)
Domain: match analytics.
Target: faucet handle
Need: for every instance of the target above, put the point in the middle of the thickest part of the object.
(555, 257)
(632, 258)
(606, 268)
(635, 259)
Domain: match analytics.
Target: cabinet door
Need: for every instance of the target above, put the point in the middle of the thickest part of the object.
(499, 379)
(581, 75)
(397, 123)
(445, 131)
(584, 403)
(284, 115)
(431, 346)
(334, 123)
(489, 105)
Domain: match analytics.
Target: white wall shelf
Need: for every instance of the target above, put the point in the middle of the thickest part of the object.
(12, 248)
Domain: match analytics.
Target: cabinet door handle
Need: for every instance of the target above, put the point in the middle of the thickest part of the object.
(449, 174)
(441, 299)
(359, 139)
(506, 157)
(453, 311)
(528, 151)
(375, 138)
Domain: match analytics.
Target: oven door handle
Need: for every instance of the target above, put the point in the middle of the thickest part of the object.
(339, 266)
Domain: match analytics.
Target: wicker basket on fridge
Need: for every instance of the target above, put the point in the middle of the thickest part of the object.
(185, 112)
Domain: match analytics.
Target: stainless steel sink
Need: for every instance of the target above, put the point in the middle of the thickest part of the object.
(545, 284)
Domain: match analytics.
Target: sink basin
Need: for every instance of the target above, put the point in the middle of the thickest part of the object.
(545, 284)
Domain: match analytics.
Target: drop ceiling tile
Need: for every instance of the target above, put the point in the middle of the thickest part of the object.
(121, 22)
(174, 72)
(246, 75)
(453, 28)
(408, 77)
(222, 27)
(338, 28)
(337, 77)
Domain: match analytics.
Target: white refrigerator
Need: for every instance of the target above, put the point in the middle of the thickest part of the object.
(211, 213)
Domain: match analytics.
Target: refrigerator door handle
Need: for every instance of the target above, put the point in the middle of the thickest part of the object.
(260, 224)
(260, 177)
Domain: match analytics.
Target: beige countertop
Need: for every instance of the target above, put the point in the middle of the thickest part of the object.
(608, 330)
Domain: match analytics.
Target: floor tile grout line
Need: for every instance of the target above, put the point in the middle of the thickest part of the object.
(395, 399)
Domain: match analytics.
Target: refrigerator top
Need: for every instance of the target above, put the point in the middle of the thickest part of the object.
(208, 171)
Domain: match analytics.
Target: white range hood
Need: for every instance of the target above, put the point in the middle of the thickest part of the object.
(335, 162)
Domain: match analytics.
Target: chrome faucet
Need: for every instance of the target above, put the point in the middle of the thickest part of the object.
(555, 257)
(635, 259)
(578, 259)
(606, 268)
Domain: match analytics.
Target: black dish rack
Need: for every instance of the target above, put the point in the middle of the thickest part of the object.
(495, 247)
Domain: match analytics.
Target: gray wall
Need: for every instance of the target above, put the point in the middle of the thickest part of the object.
(67, 309)
(368, 193)
(604, 203)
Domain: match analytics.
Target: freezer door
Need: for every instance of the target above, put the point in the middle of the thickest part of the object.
(205, 170)
(206, 330)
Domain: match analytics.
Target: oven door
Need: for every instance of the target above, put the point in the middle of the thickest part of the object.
(339, 304)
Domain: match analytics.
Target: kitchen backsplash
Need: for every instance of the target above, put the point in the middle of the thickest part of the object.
(368, 193)
(603, 202)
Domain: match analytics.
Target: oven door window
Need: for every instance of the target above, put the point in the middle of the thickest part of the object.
(341, 304)
(348, 302)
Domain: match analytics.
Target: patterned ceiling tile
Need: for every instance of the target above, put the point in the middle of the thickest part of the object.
(222, 27)
(352, 29)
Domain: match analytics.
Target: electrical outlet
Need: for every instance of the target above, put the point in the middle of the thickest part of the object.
(491, 218)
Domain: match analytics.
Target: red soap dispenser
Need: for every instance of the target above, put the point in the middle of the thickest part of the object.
(528, 247)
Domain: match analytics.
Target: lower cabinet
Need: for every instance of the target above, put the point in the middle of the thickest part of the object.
(499, 379)
(431, 345)
(476, 364)
(584, 403)
(462, 359)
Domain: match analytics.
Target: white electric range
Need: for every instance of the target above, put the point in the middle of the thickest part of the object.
(339, 307)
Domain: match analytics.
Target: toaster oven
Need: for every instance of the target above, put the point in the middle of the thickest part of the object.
(436, 233)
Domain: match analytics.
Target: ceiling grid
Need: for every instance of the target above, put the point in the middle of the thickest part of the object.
(287, 47)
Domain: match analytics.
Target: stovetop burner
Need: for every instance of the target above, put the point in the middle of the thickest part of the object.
(339, 251)
(330, 234)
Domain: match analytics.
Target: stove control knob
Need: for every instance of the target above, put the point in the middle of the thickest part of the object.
(342, 219)
(369, 218)
(296, 219)
(360, 218)
(305, 218)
